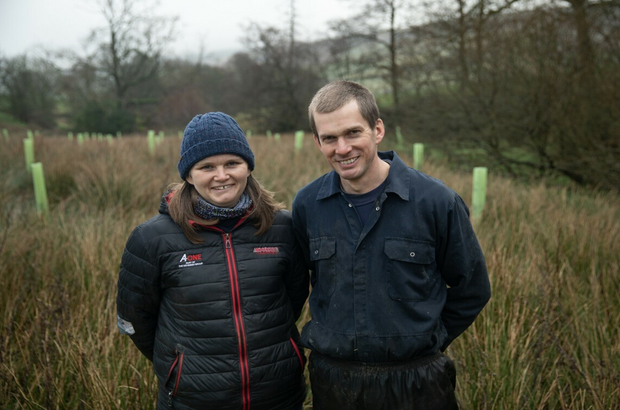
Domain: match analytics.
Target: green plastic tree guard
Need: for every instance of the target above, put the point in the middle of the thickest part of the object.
(151, 141)
(479, 192)
(29, 152)
(418, 155)
(299, 140)
(399, 137)
(40, 192)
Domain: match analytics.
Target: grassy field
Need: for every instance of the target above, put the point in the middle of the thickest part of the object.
(549, 338)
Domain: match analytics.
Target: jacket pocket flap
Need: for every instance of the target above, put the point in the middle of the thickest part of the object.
(322, 248)
(408, 250)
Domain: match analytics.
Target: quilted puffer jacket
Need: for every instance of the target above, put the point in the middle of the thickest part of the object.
(217, 319)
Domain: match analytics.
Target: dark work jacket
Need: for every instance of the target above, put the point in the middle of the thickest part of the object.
(217, 318)
(404, 285)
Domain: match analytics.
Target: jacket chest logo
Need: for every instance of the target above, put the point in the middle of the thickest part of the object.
(267, 250)
(192, 259)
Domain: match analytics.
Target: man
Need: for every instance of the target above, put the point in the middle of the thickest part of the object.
(397, 271)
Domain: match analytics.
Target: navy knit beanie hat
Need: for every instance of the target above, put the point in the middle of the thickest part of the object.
(210, 134)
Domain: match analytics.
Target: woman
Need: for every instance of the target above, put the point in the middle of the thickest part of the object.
(209, 289)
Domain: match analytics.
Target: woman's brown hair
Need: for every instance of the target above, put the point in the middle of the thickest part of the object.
(181, 208)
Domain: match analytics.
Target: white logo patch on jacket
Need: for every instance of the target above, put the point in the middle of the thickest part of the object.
(192, 259)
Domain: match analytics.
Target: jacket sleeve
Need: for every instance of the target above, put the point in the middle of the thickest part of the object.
(299, 227)
(138, 296)
(464, 270)
(297, 279)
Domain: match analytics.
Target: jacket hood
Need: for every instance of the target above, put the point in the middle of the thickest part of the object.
(165, 200)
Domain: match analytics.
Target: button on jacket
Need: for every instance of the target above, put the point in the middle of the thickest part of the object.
(217, 318)
(404, 285)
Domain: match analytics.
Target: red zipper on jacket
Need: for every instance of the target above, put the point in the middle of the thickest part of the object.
(301, 362)
(178, 360)
(238, 316)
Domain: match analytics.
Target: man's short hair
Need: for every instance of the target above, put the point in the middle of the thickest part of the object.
(338, 93)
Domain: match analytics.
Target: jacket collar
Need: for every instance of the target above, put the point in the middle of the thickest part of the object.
(164, 209)
(397, 180)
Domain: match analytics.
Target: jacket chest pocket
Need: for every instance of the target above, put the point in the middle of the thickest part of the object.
(323, 255)
(410, 267)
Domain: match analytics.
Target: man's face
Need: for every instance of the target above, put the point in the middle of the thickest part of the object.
(349, 144)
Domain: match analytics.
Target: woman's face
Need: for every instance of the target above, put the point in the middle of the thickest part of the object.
(220, 179)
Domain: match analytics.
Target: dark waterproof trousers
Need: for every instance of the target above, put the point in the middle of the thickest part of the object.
(426, 383)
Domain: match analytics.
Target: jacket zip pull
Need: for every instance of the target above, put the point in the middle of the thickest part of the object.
(228, 244)
(180, 351)
(176, 360)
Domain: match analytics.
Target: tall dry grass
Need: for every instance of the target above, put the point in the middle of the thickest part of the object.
(547, 340)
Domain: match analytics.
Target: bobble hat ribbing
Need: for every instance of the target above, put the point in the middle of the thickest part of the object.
(210, 134)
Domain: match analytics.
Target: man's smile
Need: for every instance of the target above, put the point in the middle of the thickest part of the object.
(348, 161)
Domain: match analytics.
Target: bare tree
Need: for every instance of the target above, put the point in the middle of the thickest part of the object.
(280, 73)
(585, 49)
(534, 90)
(280, 81)
(30, 85)
(129, 49)
(192, 87)
(378, 23)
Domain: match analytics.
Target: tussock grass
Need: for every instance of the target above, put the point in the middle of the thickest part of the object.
(547, 340)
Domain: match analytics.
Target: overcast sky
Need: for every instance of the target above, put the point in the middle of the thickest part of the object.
(57, 24)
